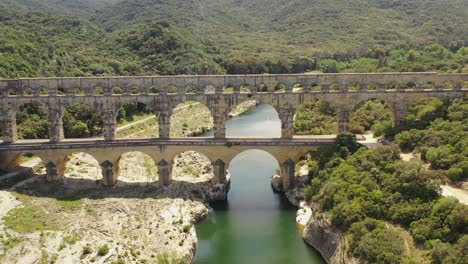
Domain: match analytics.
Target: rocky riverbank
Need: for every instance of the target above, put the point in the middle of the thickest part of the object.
(138, 221)
(316, 229)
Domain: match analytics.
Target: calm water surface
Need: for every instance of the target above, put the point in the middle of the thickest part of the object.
(254, 225)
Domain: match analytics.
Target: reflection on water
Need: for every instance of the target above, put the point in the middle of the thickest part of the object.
(254, 225)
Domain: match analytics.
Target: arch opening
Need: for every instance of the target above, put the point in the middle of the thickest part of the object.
(243, 107)
(192, 166)
(190, 119)
(32, 121)
(316, 117)
(373, 117)
(425, 110)
(263, 88)
(116, 90)
(210, 89)
(246, 168)
(98, 91)
(44, 91)
(24, 160)
(245, 88)
(137, 167)
(264, 122)
(297, 88)
(136, 120)
(79, 91)
(28, 91)
(280, 87)
(82, 121)
(81, 166)
(172, 89)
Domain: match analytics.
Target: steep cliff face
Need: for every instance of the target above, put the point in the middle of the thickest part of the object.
(330, 242)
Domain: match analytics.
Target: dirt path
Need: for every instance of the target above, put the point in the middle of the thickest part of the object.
(460, 194)
(127, 126)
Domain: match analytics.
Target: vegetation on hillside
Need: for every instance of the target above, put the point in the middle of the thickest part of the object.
(440, 134)
(160, 40)
(370, 194)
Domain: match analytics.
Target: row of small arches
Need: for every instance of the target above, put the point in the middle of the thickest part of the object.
(211, 89)
(134, 166)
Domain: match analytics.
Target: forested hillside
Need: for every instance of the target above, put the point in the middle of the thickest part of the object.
(136, 37)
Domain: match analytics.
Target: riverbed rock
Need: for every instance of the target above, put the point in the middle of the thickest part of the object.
(277, 183)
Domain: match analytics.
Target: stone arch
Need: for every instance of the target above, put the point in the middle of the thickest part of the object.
(315, 87)
(317, 116)
(230, 88)
(15, 160)
(353, 86)
(280, 87)
(263, 88)
(334, 86)
(191, 89)
(136, 119)
(209, 89)
(424, 109)
(97, 90)
(271, 122)
(245, 88)
(192, 165)
(82, 167)
(373, 114)
(82, 120)
(117, 90)
(171, 89)
(262, 158)
(190, 119)
(154, 89)
(372, 86)
(136, 167)
(43, 91)
(32, 120)
(28, 91)
(297, 87)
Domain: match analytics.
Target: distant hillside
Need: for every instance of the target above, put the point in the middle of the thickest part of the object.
(275, 28)
(137, 37)
(38, 44)
(85, 8)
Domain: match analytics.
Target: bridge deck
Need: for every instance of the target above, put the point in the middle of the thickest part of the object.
(199, 141)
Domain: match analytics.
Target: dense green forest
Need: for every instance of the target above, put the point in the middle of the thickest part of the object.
(362, 190)
(146, 37)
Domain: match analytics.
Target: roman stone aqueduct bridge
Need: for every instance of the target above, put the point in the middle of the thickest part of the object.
(163, 93)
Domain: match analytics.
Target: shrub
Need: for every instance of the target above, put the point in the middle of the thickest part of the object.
(103, 250)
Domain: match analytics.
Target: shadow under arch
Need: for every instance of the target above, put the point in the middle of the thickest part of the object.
(20, 167)
(190, 119)
(82, 120)
(262, 121)
(136, 167)
(374, 115)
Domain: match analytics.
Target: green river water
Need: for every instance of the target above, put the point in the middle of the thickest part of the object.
(255, 225)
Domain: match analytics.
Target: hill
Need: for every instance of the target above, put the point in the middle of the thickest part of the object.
(275, 28)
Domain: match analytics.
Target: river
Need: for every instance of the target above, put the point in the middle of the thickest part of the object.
(255, 225)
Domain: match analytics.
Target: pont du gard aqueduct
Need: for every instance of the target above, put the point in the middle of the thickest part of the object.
(163, 93)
